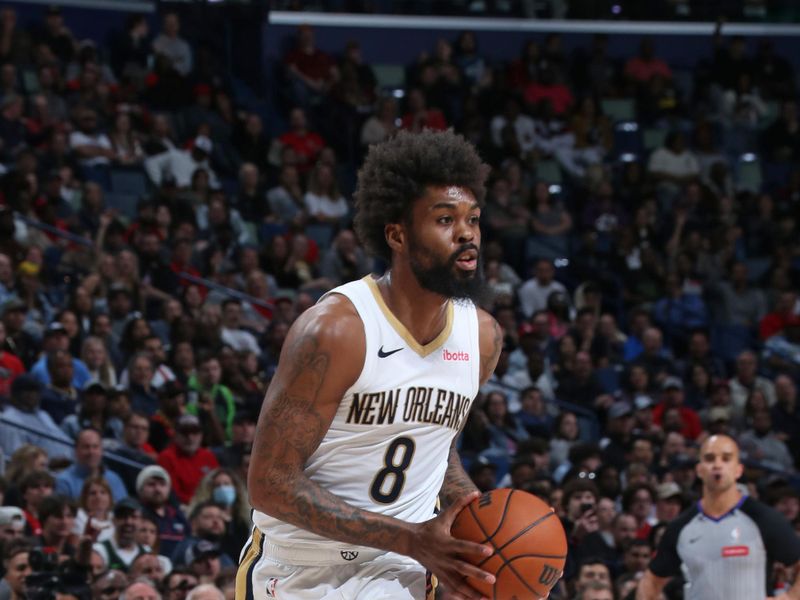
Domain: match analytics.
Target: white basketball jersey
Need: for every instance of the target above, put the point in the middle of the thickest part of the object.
(387, 447)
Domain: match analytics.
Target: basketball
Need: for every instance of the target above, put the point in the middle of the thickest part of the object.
(530, 546)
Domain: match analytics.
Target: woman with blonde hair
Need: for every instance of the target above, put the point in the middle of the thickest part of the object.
(224, 487)
(95, 503)
(26, 458)
(95, 355)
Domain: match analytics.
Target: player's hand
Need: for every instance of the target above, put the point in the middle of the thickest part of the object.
(438, 551)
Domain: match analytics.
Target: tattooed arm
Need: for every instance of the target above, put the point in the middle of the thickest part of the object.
(322, 356)
(457, 483)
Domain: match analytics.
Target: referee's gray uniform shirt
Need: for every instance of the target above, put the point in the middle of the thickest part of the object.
(728, 558)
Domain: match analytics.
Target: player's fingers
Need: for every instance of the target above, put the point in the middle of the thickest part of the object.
(449, 514)
(468, 570)
(461, 589)
(469, 548)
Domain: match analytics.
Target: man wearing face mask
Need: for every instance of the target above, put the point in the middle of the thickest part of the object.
(207, 522)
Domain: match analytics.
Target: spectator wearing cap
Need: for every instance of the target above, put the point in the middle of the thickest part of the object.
(171, 405)
(93, 412)
(88, 463)
(202, 558)
(745, 381)
(207, 522)
(60, 397)
(619, 429)
(12, 524)
(24, 422)
(10, 365)
(56, 338)
(759, 443)
(179, 583)
(669, 501)
(121, 549)
(672, 398)
(185, 459)
(643, 423)
(153, 490)
(243, 433)
(719, 421)
(181, 165)
(17, 568)
(18, 340)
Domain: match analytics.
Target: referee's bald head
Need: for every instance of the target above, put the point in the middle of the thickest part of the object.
(718, 442)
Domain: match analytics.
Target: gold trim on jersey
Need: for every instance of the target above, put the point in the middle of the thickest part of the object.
(403, 332)
(244, 576)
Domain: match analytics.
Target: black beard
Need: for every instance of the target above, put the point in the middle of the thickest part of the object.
(448, 281)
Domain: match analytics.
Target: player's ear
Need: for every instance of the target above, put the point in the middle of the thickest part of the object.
(395, 236)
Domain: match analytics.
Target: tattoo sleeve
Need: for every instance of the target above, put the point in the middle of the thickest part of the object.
(457, 483)
(289, 431)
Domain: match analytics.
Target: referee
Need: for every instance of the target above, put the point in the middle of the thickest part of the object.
(726, 544)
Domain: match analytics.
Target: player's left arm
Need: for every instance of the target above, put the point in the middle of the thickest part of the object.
(457, 483)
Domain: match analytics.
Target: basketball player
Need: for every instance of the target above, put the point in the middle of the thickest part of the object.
(726, 543)
(356, 438)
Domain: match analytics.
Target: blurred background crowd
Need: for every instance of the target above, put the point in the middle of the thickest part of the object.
(158, 238)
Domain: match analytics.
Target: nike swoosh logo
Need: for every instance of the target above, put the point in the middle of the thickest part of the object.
(382, 354)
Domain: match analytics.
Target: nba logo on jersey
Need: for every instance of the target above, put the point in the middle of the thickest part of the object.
(272, 583)
(735, 533)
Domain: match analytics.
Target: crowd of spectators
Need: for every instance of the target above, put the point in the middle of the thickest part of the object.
(647, 290)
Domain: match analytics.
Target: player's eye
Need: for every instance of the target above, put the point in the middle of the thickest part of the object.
(474, 219)
(446, 220)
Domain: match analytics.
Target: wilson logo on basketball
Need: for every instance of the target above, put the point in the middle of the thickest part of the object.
(458, 355)
(548, 576)
(349, 555)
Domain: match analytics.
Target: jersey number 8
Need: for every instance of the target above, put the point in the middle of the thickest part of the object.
(394, 468)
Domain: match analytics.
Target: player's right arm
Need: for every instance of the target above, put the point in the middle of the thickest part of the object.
(650, 586)
(321, 358)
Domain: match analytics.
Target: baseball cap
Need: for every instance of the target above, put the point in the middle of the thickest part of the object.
(667, 490)
(152, 471)
(55, 328)
(642, 402)
(202, 142)
(25, 383)
(199, 549)
(95, 386)
(719, 413)
(126, 505)
(619, 409)
(11, 515)
(672, 383)
(187, 422)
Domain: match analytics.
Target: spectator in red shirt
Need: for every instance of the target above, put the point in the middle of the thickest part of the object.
(419, 116)
(185, 460)
(672, 398)
(549, 88)
(10, 365)
(306, 144)
(642, 68)
(311, 71)
(774, 322)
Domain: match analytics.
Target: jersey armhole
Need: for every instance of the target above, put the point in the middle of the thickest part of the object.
(369, 361)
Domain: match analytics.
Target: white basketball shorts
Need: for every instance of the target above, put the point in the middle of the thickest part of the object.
(269, 572)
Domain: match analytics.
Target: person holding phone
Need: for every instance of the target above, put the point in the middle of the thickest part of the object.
(580, 519)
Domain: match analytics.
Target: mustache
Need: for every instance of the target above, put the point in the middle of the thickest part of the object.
(461, 249)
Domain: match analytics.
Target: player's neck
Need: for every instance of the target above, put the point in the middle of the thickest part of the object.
(424, 313)
(716, 504)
